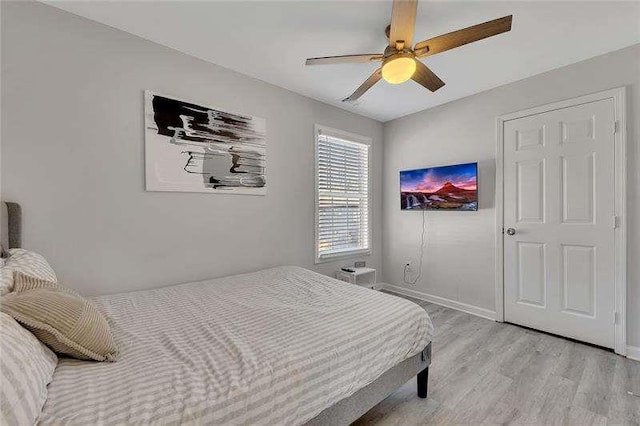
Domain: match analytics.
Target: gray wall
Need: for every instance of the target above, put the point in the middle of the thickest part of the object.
(459, 258)
(73, 156)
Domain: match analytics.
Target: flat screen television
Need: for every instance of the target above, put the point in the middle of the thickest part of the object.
(440, 188)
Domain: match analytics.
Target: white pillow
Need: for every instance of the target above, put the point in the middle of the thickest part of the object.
(26, 368)
(27, 262)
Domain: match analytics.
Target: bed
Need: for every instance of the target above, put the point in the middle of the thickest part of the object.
(278, 346)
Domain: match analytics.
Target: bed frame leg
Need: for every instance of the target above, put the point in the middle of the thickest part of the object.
(423, 383)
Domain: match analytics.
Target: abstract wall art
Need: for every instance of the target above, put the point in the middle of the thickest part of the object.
(194, 148)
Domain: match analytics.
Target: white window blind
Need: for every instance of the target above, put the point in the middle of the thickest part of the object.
(342, 177)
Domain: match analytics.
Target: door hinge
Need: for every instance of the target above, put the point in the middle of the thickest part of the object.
(614, 221)
(616, 126)
(615, 317)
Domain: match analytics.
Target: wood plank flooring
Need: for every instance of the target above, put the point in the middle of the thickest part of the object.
(494, 373)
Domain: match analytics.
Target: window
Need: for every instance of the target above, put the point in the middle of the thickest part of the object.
(342, 194)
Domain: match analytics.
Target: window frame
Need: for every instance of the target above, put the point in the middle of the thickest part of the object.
(350, 137)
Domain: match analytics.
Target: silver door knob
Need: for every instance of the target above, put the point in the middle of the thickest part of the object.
(511, 231)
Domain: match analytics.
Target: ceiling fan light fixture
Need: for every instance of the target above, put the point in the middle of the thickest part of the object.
(398, 69)
(401, 62)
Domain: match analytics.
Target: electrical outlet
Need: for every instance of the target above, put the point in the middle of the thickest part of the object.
(407, 273)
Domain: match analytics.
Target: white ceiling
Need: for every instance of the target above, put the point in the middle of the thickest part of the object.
(270, 40)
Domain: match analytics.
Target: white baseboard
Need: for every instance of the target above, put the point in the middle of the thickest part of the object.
(442, 301)
(633, 352)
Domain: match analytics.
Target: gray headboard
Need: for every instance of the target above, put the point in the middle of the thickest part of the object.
(10, 225)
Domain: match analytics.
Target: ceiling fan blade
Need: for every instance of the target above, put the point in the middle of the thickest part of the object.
(426, 77)
(461, 37)
(344, 59)
(403, 22)
(368, 84)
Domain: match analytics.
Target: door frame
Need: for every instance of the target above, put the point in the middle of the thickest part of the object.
(620, 177)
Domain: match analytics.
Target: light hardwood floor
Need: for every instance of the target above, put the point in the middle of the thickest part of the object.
(494, 373)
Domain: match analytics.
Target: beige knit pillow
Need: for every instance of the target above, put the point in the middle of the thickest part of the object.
(67, 323)
(25, 282)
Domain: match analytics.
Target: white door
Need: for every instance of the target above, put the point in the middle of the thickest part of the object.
(559, 222)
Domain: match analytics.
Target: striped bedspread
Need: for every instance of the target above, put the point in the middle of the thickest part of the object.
(272, 347)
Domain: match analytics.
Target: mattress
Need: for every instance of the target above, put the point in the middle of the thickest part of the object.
(276, 346)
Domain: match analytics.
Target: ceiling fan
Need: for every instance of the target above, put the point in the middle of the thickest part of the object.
(400, 62)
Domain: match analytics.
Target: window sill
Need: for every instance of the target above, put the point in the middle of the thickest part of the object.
(343, 255)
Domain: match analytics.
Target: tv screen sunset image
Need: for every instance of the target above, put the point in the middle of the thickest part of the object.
(440, 188)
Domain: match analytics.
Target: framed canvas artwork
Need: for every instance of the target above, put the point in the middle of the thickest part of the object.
(195, 148)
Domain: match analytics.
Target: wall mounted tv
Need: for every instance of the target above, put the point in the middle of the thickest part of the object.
(440, 188)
